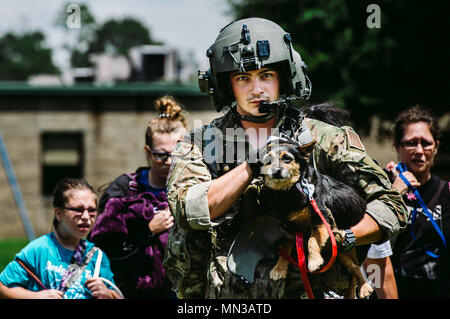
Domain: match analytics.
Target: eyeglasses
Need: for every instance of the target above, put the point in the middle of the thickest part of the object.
(79, 211)
(410, 145)
(161, 156)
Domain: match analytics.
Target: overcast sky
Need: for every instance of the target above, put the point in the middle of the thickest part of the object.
(189, 25)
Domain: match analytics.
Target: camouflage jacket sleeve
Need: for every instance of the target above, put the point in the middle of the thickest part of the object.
(340, 154)
(187, 187)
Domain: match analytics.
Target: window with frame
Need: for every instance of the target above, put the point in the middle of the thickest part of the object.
(62, 156)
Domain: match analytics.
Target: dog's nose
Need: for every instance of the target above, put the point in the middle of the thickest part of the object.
(276, 173)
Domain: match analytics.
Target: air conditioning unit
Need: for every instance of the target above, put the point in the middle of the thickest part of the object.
(155, 63)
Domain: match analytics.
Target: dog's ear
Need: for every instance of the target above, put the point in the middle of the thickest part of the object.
(306, 150)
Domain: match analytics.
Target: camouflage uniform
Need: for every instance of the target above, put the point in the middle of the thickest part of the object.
(338, 153)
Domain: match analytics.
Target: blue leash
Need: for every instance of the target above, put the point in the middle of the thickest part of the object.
(401, 168)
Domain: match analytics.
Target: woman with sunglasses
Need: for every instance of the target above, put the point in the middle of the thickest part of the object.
(62, 264)
(134, 215)
(421, 252)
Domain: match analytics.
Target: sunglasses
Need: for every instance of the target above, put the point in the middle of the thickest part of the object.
(161, 156)
(410, 145)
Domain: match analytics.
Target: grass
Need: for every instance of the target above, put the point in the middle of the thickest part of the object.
(9, 248)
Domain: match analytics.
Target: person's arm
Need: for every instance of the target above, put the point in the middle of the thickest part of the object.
(188, 183)
(340, 154)
(386, 287)
(14, 279)
(227, 189)
(99, 289)
(202, 200)
(367, 231)
(162, 220)
(22, 293)
(385, 205)
(398, 184)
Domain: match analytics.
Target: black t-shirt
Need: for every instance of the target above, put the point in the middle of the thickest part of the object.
(409, 257)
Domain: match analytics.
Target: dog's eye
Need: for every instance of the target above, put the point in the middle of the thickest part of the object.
(287, 159)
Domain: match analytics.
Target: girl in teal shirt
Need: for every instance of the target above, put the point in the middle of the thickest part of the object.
(62, 264)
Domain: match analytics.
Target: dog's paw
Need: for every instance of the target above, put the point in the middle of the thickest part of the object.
(314, 263)
(278, 273)
(365, 291)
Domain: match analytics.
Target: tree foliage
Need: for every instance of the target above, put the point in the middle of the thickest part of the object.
(118, 36)
(371, 71)
(22, 55)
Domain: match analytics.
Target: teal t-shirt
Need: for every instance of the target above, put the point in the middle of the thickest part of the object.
(48, 260)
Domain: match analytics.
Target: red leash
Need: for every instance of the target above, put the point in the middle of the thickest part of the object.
(309, 190)
(302, 265)
(332, 238)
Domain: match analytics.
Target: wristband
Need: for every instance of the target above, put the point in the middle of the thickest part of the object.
(349, 240)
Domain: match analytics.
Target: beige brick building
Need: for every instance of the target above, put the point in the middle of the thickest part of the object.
(95, 131)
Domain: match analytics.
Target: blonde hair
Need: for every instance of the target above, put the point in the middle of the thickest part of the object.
(170, 119)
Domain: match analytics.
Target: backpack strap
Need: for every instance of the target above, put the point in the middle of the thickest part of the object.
(98, 264)
(433, 202)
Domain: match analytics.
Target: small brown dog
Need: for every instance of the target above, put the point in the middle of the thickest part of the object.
(286, 164)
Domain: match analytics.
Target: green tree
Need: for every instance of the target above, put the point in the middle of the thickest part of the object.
(371, 71)
(22, 55)
(116, 37)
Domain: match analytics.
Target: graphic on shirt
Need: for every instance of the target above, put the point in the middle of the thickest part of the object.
(77, 290)
(436, 213)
